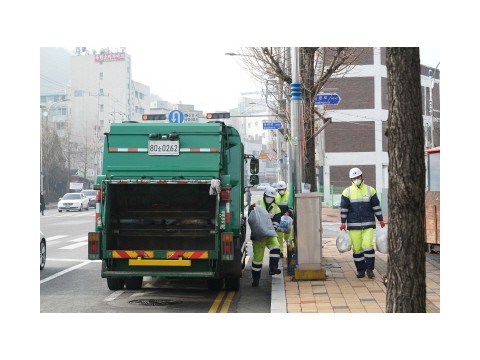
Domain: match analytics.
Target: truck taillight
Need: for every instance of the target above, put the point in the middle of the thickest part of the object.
(100, 195)
(93, 246)
(225, 194)
(227, 245)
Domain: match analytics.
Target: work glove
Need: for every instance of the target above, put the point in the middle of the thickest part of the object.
(290, 213)
(343, 227)
(250, 208)
(382, 224)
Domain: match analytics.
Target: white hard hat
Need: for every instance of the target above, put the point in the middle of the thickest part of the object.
(270, 191)
(354, 172)
(281, 185)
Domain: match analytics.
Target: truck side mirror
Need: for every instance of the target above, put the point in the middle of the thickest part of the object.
(254, 180)
(254, 166)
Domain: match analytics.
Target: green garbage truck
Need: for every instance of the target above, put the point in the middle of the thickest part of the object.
(170, 203)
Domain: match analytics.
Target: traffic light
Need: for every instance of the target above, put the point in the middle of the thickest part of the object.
(154, 117)
(222, 115)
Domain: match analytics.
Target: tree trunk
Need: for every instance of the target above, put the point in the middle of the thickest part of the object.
(308, 81)
(406, 288)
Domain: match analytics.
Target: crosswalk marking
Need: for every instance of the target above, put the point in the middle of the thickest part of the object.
(56, 237)
(74, 246)
(83, 238)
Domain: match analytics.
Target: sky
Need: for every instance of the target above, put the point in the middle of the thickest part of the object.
(200, 75)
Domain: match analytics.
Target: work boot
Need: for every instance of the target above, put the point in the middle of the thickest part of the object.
(370, 274)
(361, 274)
(256, 278)
(274, 271)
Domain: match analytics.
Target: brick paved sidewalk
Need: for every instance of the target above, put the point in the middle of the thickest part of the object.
(343, 292)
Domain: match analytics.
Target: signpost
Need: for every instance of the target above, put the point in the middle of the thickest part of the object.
(271, 125)
(327, 99)
(176, 116)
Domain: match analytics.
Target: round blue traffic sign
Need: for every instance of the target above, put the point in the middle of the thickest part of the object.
(176, 116)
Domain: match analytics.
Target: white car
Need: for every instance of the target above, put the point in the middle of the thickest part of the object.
(43, 250)
(91, 195)
(73, 201)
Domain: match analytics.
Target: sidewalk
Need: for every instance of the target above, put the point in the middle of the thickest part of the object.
(342, 292)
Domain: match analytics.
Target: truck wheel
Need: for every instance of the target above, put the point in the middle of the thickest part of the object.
(232, 284)
(115, 283)
(134, 283)
(215, 284)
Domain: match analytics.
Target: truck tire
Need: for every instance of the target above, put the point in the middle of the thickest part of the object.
(232, 283)
(134, 283)
(214, 284)
(115, 283)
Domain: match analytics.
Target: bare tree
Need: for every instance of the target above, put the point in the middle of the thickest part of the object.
(406, 288)
(53, 162)
(317, 65)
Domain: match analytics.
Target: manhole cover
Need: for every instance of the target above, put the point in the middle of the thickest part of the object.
(155, 302)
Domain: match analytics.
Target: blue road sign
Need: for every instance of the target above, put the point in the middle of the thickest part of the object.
(327, 99)
(176, 116)
(271, 125)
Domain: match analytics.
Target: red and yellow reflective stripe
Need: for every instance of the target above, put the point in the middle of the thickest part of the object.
(187, 254)
(131, 254)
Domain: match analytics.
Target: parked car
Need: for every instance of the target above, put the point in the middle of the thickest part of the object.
(43, 250)
(73, 201)
(262, 186)
(91, 195)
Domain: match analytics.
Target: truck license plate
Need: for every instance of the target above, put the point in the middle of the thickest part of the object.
(163, 147)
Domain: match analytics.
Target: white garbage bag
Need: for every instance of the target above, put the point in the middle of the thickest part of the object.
(344, 243)
(381, 240)
(260, 224)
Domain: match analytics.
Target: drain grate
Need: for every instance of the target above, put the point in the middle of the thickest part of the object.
(155, 302)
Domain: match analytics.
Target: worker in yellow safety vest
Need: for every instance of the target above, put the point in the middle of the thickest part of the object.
(359, 206)
(271, 242)
(282, 199)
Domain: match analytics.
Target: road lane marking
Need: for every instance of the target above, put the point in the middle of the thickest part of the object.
(115, 295)
(217, 302)
(74, 246)
(227, 302)
(219, 299)
(85, 262)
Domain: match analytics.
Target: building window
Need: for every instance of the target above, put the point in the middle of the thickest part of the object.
(78, 93)
(101, 75)
(101, 91)
(101, 107)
